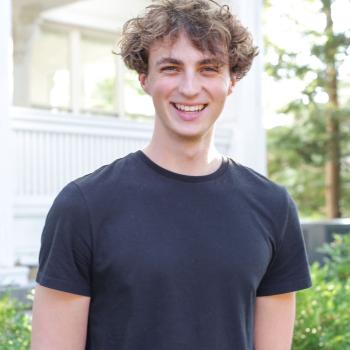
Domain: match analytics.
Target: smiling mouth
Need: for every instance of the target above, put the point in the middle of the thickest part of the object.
(186, 108)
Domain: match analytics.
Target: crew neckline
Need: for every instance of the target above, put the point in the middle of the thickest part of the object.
(182, 177)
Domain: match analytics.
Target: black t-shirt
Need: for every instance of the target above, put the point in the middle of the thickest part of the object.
(171, 261)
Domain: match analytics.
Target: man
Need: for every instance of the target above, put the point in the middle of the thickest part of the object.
(174, 246)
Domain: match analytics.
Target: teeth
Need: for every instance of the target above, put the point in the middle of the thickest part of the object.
(189, 108)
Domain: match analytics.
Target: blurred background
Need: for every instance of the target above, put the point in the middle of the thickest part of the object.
(69, 105)
(306, 90)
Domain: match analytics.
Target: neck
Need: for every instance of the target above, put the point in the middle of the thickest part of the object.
(194, 157)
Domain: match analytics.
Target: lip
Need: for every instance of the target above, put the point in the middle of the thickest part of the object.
(189, 116)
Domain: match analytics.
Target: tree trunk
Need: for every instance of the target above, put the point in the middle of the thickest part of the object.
(332, 166)
(332, 169)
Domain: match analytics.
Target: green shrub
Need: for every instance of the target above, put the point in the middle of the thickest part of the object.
(15, 328)
(323, 311)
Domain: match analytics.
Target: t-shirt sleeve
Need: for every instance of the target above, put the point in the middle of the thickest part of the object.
(288, 270)
(66, 244)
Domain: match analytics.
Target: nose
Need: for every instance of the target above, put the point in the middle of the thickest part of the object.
(189, 84)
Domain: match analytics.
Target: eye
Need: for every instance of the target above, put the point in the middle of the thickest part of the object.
(169, 69)
(210, 69)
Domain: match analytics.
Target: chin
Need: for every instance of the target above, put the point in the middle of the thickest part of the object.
(192, 133)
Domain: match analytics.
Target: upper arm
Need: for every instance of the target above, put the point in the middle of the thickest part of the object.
(59, 320)
(274, 322)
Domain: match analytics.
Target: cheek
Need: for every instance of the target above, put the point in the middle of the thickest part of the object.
(161, 95)
(219, 87)
(221, 91)
(161, 88)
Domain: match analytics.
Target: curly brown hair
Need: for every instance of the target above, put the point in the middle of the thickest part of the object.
(210, 27)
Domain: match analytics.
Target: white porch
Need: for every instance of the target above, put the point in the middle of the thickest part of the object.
(41, 150)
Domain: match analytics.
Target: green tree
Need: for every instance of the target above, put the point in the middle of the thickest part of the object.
(314, 150)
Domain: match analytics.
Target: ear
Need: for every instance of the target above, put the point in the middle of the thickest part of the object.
(143, 81)
(232, 84)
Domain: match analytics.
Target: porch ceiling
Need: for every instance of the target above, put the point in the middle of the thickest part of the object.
(27, 10)
(43, 4)
(102, 14)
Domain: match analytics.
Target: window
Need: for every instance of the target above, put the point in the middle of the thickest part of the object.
(74, 69)
(49, 79)
(98, 71)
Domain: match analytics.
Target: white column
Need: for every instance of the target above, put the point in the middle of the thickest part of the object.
(243, 111)
(120, 83)
(8, 273)
(22, 77)
(24, 25)
(75, 71)
(6, 149)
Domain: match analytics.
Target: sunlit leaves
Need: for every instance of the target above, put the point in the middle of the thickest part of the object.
(323, 312)
(14, 325)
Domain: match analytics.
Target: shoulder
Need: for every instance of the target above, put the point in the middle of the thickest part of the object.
(260, 195)
(95, 186)
(106, 174)
(255, 185)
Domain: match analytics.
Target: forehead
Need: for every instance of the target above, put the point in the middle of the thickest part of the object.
(183, 49)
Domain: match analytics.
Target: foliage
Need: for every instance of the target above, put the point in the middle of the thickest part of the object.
(293, 164)
(296, 159)
(103, 97)
(298, 152)
(14, 325)
(323, 316)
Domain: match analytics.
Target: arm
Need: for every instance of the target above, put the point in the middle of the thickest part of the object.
(59, 320)
(274, 322)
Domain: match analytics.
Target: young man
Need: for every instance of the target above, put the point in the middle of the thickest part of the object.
(175, 246)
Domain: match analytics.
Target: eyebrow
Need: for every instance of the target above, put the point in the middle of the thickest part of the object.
(169, 60)
(213, 61)
(166, 60)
